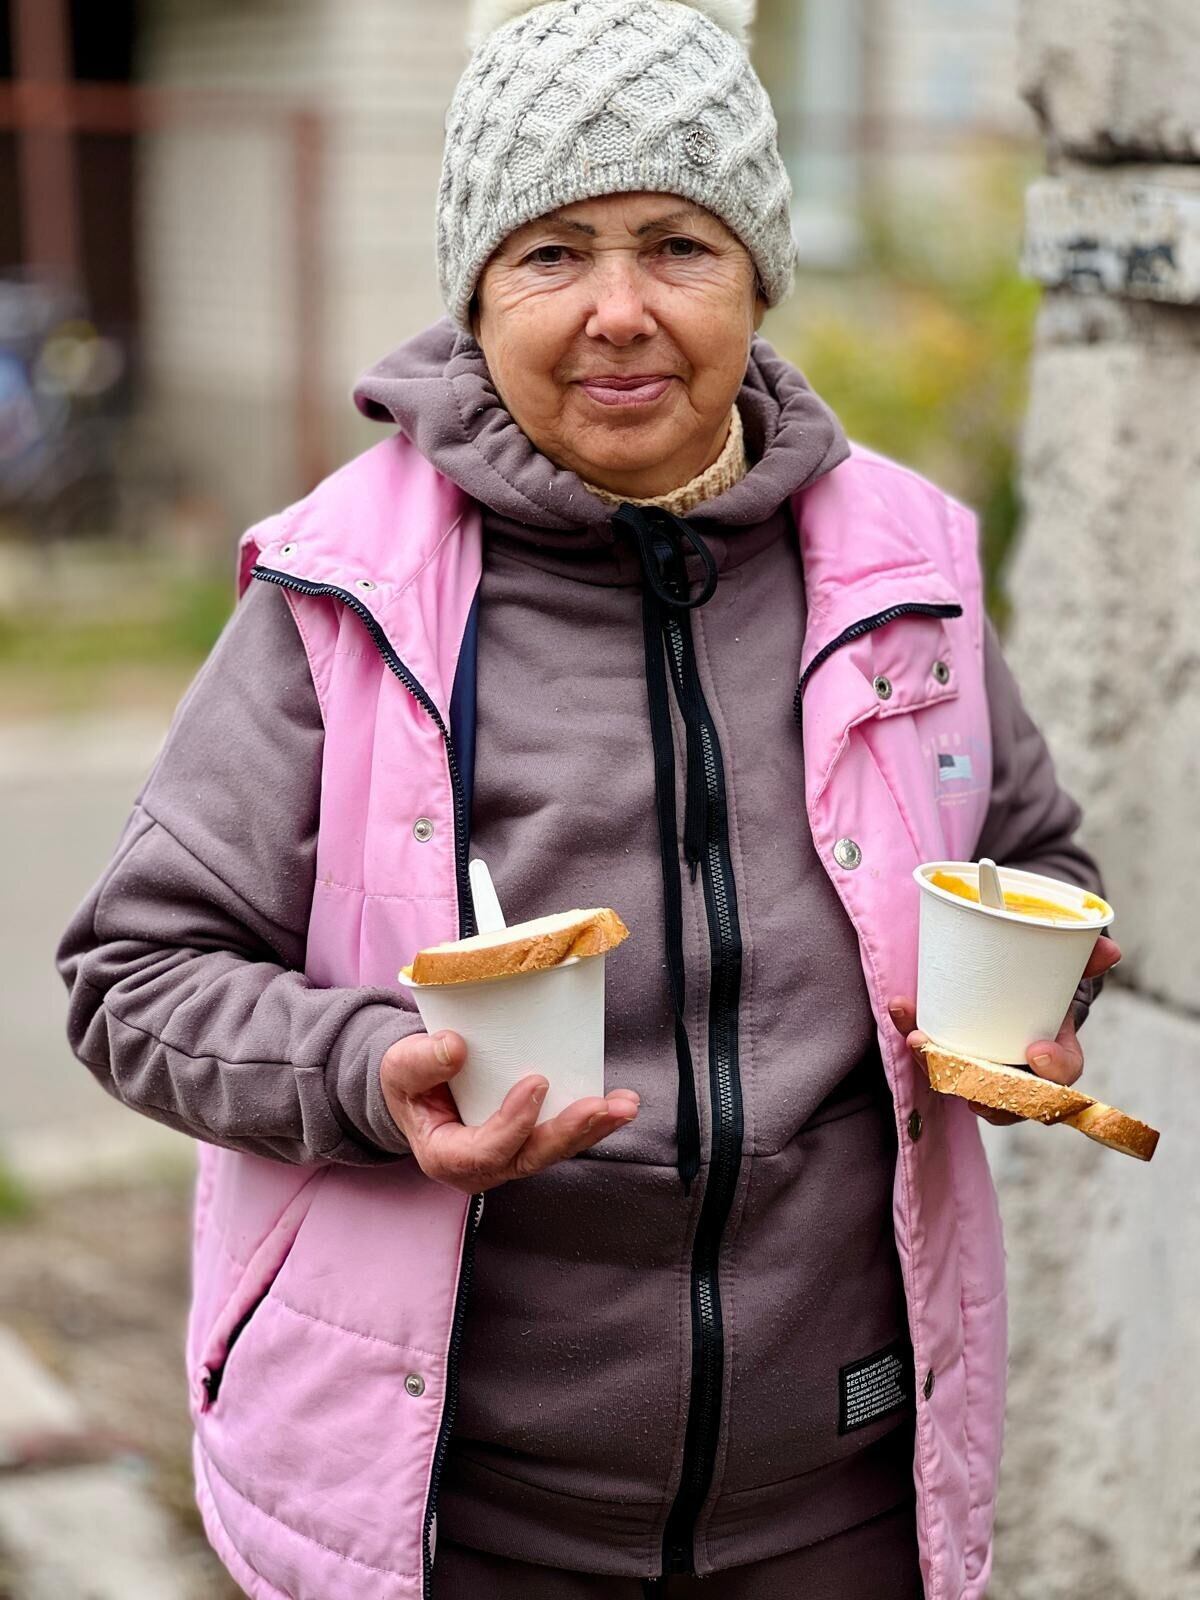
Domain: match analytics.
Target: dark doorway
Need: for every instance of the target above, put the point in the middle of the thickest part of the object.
(10, 211)
(102, 51)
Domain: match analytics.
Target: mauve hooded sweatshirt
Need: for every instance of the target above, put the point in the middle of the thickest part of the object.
(576, 1367)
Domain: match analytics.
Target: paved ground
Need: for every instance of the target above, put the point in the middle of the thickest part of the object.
(65, 791)
(95, 1482)
(94, 1491)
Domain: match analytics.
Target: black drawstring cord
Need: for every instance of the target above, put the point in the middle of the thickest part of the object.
(650, 525)
(659, 539)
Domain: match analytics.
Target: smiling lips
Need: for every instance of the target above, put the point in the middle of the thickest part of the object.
(639, 389)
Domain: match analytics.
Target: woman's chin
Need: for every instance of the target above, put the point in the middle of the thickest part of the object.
(623, 463)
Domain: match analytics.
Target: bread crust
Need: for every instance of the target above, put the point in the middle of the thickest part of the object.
(587, 933)
(1036, 1099)
(1002, 1088)
(1117, 1130)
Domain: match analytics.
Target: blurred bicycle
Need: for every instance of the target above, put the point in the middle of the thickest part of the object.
(61, 385)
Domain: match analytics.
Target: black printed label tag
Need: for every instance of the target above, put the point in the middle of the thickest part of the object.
(874, 1387)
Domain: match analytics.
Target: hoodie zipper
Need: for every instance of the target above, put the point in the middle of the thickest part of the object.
(857, 630)
(702, 1431)
(466, 924)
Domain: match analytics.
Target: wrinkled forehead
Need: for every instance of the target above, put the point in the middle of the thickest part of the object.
(636, 216)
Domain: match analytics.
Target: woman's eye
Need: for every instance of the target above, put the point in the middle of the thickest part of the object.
(682, 249)
(548, 255)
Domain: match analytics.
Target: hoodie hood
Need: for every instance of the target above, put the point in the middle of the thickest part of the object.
(437, 390)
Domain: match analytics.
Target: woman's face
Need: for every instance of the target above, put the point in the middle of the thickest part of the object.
(617, 333)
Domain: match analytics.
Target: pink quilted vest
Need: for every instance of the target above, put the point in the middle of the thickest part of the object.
(327, 1300)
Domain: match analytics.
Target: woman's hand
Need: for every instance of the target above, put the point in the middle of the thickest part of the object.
(1060, 1059)
(414, 1075)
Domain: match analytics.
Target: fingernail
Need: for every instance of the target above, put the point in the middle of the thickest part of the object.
(441, 1051)
(539, 1093)
(595, 1121)
(1041, 1061)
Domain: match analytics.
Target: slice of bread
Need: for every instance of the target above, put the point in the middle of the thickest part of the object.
(1118, 1131)
(1024, 1094)
(525, 947)
(1002, 1088)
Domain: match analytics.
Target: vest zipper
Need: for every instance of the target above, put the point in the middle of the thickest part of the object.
(708, 1345)
(856, 630)
(466, 923)
(450, 1407)
(466, 918)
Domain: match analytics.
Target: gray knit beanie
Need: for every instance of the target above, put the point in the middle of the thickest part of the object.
(571, 99)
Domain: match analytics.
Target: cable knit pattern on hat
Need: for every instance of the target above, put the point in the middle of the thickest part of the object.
(580, 98)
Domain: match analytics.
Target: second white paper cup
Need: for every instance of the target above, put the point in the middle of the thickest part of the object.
(991, 983)
(550, 1022)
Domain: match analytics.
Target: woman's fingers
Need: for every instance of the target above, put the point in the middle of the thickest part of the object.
(903, 1013)
(511, 1144)
(1061, 1059)
(583, 1124)
(479, 1158)
(1106, 954)
(415, 1065)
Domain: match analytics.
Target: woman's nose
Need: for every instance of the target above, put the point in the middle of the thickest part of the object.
(620, 313)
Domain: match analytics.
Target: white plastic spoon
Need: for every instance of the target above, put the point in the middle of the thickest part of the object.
(990, 892)
(488, 916)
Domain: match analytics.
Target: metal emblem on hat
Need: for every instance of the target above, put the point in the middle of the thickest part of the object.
(701, 145)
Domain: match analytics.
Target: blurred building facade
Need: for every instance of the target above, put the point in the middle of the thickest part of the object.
(1100, 1490)
(283, 251)
(272, 224)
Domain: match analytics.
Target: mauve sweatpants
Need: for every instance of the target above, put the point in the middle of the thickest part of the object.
(877, 1561)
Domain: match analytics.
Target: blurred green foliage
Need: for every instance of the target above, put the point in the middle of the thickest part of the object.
(15, 1204)
(923, 348)
(174, 619)
(118, 628)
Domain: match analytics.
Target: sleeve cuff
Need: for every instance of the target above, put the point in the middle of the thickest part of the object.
(352, 1077)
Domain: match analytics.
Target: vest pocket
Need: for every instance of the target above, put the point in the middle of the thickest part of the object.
(250, 1292)
(210, 1382)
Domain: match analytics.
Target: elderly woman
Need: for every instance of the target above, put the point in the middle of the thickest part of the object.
(616, 605)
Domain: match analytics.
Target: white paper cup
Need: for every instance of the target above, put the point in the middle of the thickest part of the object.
(991, 983)
(550, 1022)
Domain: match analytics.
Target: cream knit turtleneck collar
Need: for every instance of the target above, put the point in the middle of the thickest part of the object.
(729, 468)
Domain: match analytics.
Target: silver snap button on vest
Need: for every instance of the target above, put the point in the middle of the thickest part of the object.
(422, 830)
(847, 854)
(415, 1385)
(883, 687)
(941, 672)
(287, 549)
(365, 583)
(916, 1126)
(927, 1388)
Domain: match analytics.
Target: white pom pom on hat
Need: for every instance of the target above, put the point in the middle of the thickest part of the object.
(735, 16)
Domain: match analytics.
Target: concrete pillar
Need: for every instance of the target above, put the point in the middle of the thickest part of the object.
(1100, 1494)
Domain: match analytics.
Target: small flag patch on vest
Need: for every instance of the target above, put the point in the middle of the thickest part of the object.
(873, 1387)
(951, 767)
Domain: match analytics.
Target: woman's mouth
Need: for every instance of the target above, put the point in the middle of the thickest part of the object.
(641, 389)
